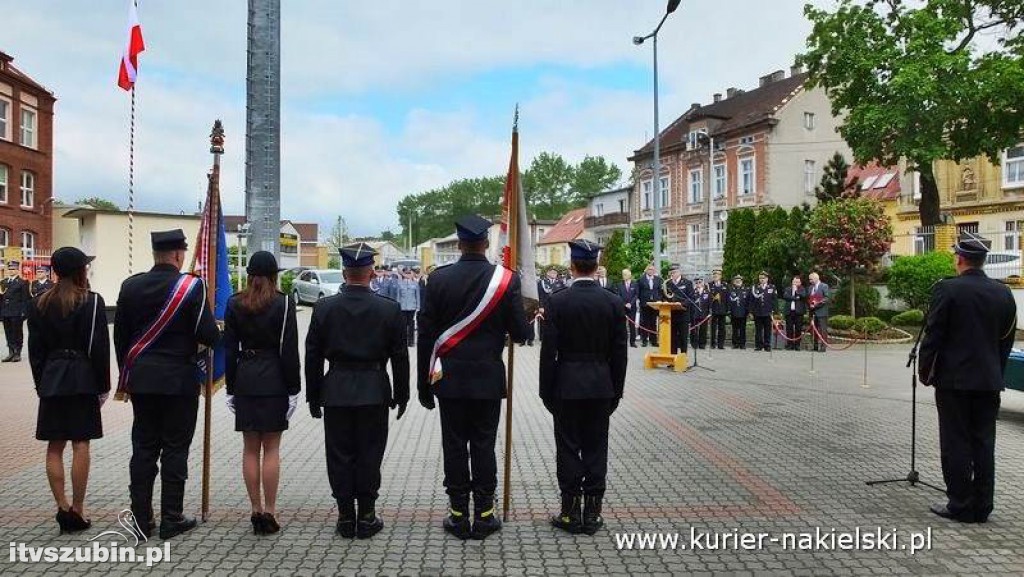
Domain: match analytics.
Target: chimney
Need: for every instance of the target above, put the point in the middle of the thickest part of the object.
(5, 59)
(778, 75)
(764, 81)
(695, 106)
(796, 69)
(730, 92)
(718, 97)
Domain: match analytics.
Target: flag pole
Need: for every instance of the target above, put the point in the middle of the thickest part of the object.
(511, 260)
(217, 148)
(131, 184)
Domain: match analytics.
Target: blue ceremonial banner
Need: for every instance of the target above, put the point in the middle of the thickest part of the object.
(214, 271)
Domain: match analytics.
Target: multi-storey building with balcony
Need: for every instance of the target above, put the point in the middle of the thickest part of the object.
(746, 149)
(608, 212)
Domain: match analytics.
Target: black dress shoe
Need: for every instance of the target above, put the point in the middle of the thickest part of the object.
(367, 527)
(457, 523)
(632, 345)
(943, 511)
(171, 527)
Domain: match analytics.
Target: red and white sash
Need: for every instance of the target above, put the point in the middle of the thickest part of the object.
(449, 339)
(182, 289)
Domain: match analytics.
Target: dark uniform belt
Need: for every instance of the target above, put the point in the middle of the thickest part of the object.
(358, 365)
(253, 353)
(67, 354)
(582, 358)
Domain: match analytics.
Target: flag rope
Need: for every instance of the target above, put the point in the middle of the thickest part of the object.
(131, 184)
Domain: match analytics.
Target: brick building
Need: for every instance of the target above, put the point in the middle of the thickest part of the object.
(26, 161)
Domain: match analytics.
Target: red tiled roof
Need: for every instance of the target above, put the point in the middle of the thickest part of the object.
(231, 222)
(742, 110)
(308, 231)
(569, 227)
(883, 182)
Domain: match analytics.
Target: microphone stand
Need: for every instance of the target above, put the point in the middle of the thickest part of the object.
(913, 477)
(695, 365)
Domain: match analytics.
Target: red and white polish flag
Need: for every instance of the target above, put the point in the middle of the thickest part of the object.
(130, 59)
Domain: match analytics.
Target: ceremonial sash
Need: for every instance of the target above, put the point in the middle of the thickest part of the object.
(449, 339)
(170, 310)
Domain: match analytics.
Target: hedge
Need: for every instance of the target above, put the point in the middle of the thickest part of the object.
(911, 318)
(841, 322)
(869, 325)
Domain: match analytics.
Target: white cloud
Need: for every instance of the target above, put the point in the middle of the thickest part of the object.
(335, 162)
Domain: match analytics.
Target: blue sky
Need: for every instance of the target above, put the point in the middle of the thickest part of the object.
(379, 99)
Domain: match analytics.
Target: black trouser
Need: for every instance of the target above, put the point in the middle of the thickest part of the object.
(14, 332)
(630, 326)
(680, 331)
(649, 321)
(739, 332)
(718, 331)
(967, 439)
(410, 327)
(162, 430)
(469, 428)
(701, 333)
(354, 439)
(794, 331)
(762, 333)
(581, 446)
(821, 324)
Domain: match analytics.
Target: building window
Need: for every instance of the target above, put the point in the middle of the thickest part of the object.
(664, 192)
(28, 127)
(622, 205)
(3, 183)
(645, 194)
(5, 119)
(747, 181)
(746, 140)
(915, 184)
(599, 209)
(28, 189)
(809, 176)
(5, 237)
(694, 138)
(28, 244)
(696, 185)
(1012, 238)
(809, 120)
(720, 233)
(963, 227)
(693, 236)
(720, 181)
(1013, 166)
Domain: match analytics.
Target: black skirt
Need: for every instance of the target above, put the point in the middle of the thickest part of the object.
(261, 414)
(70, 418)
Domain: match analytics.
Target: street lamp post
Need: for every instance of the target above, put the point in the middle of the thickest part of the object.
(656, 179)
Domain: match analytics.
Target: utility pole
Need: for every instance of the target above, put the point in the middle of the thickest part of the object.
(263, 127)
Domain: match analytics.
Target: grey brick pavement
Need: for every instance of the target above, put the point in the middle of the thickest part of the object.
(762, 445)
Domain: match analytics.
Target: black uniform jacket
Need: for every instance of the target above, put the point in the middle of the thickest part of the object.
(583, 354)
(646, 293)
(719, 292)
(14, 302)
(38, 288)
(169, 366)
(761, 301)
(681, 292)
(630, 295)
(968, 334)
(738, 300)
(358, 331)
(701, 305)
(261, 350)
(474, 368)
(59, 349)
(795, 301)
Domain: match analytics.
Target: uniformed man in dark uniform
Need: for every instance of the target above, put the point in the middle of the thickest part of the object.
(761, 304)
(545, 287)
(969, 332)
(700, 311)
(41, 284)
(582, 376)
(162, 381)
(739, 297)
(14, 299)
(719, 292)
(468, 375)
(358, 332)
(679, 290)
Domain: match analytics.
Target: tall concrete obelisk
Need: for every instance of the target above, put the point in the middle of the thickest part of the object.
(263, 127)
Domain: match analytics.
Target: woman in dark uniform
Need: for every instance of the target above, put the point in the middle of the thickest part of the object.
(69, 352)
(261, 342)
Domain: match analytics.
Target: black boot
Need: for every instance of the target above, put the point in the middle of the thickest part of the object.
(369, 524)
(485, 521)
(571, 517)
(142, 511)
(457, 521)
(173, 521)
(592, 520)
(346, 526)
(10, 355)
(16, 355)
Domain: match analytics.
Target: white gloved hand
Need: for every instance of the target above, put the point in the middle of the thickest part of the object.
(103, 398)
(293, 402)
(229, 400)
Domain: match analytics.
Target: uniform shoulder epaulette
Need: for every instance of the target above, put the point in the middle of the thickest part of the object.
(439, 267)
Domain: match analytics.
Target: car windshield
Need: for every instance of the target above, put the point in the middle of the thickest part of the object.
(333, 277)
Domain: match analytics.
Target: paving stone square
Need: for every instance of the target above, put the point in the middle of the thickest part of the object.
(762, 445)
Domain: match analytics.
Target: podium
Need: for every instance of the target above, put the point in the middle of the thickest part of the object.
(664, 356)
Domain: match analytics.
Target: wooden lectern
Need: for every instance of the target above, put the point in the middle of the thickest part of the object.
(664, 356)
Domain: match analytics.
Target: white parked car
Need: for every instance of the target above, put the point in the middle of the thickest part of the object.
(315, 284)
(1003, 265)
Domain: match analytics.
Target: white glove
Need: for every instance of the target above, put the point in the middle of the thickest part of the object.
(229, 400)
(103, 398)
(293, 401)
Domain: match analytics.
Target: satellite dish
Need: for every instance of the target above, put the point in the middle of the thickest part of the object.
(723, 216)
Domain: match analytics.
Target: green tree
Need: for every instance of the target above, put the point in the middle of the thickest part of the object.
(911, 81)
(640, 248)
(594, 174)
(786, 252)
(911, 277)
(736, 255)
(768, 228)
(98, 203)
(833, 181)
(615, 256)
